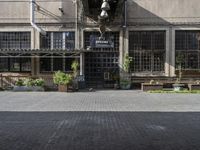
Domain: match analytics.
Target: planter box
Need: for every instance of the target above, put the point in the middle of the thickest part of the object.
(178, 86)
(65, 88)
(28, 88)
(194, 87)
(149, 87)
(125, 86)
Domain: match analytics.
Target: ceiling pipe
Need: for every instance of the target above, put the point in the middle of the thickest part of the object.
(32, 18)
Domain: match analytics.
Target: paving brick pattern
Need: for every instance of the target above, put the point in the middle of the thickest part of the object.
(103, 120)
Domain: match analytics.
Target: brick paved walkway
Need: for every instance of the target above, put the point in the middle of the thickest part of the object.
(103, 120)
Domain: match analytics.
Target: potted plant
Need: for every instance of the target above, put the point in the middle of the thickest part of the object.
(75, 67)
(63, 81)
(29, 85)
(152, 85)
(125, 79)
(178, 85)
(194, 86)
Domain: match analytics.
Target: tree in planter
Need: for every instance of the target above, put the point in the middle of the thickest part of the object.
(63, 80)
(75, 67)
(179, 60)
(125, 80)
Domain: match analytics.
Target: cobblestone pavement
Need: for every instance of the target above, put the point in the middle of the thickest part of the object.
(102, 120)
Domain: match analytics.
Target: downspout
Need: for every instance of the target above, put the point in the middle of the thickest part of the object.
(32, 18)
(125, 14)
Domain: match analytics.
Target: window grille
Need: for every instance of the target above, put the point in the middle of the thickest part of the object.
(15, 40)
(52, 63)
(15, 64)
(147, 48)
(58, 40)
(187, 44)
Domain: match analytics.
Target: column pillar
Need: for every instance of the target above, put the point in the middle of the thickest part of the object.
(167, 53)
(172, 60)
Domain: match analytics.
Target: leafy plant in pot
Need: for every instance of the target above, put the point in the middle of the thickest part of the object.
(178, 85)
(125, 79)
(63, 81)
(75, 68)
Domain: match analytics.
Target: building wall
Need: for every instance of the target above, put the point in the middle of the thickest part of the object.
(163, 11)
(168, 15)
(48, 12)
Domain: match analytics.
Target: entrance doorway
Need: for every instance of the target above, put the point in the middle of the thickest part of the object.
(101, 62)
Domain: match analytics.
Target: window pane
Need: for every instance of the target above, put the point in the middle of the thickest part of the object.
(57, 40)
(3, 64)
(45, 41)
(68, 63)
(25, 64)
(188, 45)
(147, 48)
(69, 40)
(15, 40)
(57, 64)
(14, 64)
(45, 64)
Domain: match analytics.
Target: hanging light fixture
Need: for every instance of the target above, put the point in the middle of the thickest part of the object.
(105, 5)
(104, 14)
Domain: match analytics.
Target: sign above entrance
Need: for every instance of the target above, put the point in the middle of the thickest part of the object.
(97, 42)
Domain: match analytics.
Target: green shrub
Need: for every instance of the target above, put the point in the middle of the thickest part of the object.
(61, 78)
(19, 82)
(38, 82)
(30, 82)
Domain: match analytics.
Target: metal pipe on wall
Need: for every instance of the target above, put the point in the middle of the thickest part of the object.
(32, 18)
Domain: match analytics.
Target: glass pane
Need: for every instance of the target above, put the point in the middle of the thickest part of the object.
(14, 64)
(57, 64)
(45, 64)
(57, 40)
(15, 40)
(45, 41)
(68, 63)
(3, 64)
(69, 40)
(25, 64)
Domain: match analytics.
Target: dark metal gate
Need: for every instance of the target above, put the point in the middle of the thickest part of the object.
(101, 64)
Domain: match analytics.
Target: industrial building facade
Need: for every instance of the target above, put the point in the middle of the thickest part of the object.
(152, 32)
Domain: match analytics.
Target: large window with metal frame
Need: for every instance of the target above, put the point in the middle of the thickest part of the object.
(15, 64)
(57, 41)
(187, 44)
(15, 40)
(54, 62)
(147, 48)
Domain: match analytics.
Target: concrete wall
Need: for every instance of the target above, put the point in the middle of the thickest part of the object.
(18, 12)
(148, 11)
(163, 11)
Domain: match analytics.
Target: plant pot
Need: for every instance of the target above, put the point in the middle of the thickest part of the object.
(194, 87)
(149, 87)
(178, 86)
(125, 86)
(63, 88)
(28, 88)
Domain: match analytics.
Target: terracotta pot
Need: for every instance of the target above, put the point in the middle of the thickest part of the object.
(63, 88)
